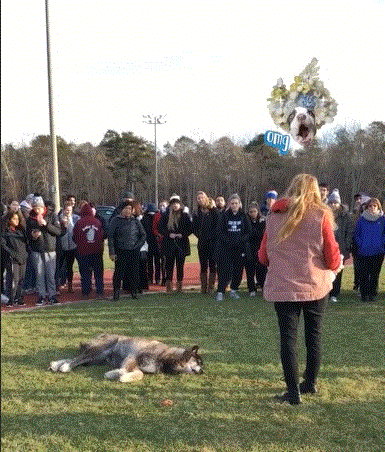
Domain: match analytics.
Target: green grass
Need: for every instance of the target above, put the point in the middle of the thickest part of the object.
(228, 409)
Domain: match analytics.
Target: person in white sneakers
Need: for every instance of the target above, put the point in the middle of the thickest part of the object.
(233, 233)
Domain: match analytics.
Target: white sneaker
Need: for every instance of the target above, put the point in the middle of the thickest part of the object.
(252, 294)
(234, 294)
(219, 296)
(333, 300)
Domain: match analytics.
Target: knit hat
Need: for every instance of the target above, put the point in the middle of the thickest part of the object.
(38, 201)
(128, 195)
(335, 196)
(234, 196)
(364, 199)
(29, 198)
(151, 208)
(174, 198)
(271, 194)
(25, 206)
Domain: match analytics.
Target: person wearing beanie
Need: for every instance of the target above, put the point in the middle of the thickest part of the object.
(334, 197)
(43, 229)
(126, 196)
(126, 236)
(232, 235)
(270, 198)
(369, 236)
(175, 226)
(343, 235)
(204, 222)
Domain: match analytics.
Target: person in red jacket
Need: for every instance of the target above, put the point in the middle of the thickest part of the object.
(303, 258)
(89, 235)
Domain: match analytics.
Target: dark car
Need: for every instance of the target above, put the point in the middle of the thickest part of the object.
(105, 212)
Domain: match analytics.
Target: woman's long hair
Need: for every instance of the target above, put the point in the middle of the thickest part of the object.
(173, 218)
(303, 195)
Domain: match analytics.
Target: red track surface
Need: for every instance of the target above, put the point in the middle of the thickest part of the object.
(191, 278)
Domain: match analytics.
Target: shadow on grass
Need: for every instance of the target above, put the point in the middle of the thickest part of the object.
(272, 426)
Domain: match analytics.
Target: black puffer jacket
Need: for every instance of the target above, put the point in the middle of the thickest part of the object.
(125, 234)
(14, 244)
(47, 241)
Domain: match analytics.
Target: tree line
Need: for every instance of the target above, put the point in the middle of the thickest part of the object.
(350, 158)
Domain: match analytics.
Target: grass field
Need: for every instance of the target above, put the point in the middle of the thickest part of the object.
(228, 409)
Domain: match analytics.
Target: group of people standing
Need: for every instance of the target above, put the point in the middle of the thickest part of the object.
(39, 247)
(296, 252)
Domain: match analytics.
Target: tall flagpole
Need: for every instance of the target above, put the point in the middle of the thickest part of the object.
(56, 187)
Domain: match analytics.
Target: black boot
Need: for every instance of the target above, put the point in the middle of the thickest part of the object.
(292, 396)
(307, 388)
(116, 294)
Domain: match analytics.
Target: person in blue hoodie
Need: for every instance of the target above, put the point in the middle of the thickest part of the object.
(369, 236)
(233, 233)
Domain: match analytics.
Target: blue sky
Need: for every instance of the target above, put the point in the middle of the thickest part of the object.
(209, 66)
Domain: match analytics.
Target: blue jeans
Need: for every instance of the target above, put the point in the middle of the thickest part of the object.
(88, 264)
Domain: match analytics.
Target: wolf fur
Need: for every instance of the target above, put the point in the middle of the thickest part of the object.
(132, 357)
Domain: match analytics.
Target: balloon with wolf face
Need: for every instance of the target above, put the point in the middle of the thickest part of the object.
(305, 107)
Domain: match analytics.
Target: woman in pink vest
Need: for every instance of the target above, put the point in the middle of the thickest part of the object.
(303, 258)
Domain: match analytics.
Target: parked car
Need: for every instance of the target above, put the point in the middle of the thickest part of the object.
(105, 212)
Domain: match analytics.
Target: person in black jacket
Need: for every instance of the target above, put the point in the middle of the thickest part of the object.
(233, 233)
(343, 234)
(126, 236)
(153, 254)
(255, 271)
(14, 247)
(175, 226)
(204, 223)
(43, 228)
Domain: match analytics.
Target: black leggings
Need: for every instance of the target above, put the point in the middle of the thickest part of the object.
(127, 269)
(14, 280)
(206, 258)
(369, 268)
(288, 317)
(175, 255)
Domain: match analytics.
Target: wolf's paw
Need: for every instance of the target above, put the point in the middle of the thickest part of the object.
(113, 374)
(131, 377)
(60, 366)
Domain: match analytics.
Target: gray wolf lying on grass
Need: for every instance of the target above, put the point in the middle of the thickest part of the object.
(132, 357)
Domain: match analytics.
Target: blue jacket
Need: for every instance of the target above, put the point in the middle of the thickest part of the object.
(370, 236)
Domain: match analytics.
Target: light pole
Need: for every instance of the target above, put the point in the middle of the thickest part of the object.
(155, 120)
(51, 118)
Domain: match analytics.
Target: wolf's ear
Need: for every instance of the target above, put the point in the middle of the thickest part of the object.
(189, 352)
